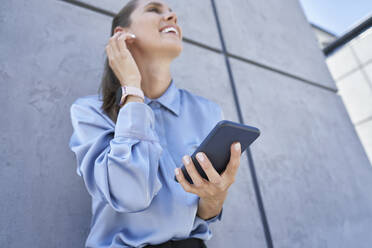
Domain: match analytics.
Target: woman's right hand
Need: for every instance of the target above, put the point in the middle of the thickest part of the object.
(121, 60)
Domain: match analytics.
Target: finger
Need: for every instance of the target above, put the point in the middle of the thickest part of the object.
(208, 168)
(184, 183)
(191, 170)
(121, 40)
(113, 43)
(109, 53)
(233, 165)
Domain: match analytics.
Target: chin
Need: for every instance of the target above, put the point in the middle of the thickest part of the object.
(175, 54)
(176, 50)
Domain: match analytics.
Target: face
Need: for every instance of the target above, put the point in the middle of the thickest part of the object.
(148, 21)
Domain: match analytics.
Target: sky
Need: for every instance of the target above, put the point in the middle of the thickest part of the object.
(336, 16)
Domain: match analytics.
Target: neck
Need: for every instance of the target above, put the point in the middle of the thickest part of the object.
(155, 74)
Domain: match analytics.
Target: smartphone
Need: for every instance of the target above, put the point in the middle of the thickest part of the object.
(217, 145)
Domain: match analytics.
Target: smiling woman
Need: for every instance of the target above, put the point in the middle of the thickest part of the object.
(144, 19)
(130, 139)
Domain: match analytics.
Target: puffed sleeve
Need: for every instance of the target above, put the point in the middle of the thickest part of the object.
(119, 163)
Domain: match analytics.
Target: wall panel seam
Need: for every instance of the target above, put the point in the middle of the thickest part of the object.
(255, 183)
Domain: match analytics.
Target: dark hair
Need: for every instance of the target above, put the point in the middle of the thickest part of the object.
(110, 83)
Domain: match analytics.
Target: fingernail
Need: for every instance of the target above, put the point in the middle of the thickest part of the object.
(200, 156)
(132, 35)
(176, 171)
(237, 146)
(186, 159)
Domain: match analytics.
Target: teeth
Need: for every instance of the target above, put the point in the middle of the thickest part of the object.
(166, 30)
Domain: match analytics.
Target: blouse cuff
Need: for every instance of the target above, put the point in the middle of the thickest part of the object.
(215, 218)
(136, 120)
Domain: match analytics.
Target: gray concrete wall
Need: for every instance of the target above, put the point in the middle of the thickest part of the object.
(314, 176)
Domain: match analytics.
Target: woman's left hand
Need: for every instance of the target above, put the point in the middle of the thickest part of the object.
(214, 191)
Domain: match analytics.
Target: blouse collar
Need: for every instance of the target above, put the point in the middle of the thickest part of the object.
(170, 98)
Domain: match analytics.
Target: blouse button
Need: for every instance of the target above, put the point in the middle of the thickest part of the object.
(155, 104)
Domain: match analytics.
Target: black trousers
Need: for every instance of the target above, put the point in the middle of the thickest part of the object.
(186, 243)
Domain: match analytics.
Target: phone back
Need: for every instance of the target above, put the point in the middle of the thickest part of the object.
(217, 145)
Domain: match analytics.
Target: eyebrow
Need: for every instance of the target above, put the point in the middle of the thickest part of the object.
(157, 4)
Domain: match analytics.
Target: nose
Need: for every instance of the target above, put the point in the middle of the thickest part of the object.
(171, 16)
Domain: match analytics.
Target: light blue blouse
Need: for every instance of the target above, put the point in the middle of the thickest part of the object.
(128, 168)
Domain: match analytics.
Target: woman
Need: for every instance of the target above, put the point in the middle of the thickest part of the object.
(128, 153)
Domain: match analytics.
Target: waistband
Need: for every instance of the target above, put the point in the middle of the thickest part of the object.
(185, 243)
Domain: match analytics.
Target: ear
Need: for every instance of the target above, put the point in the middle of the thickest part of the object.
(118, 28)
(121, 29)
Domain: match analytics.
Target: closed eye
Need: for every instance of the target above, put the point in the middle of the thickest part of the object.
(152, 9)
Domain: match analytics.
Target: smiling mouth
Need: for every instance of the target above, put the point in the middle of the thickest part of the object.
(170, 33)
(170, 30)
